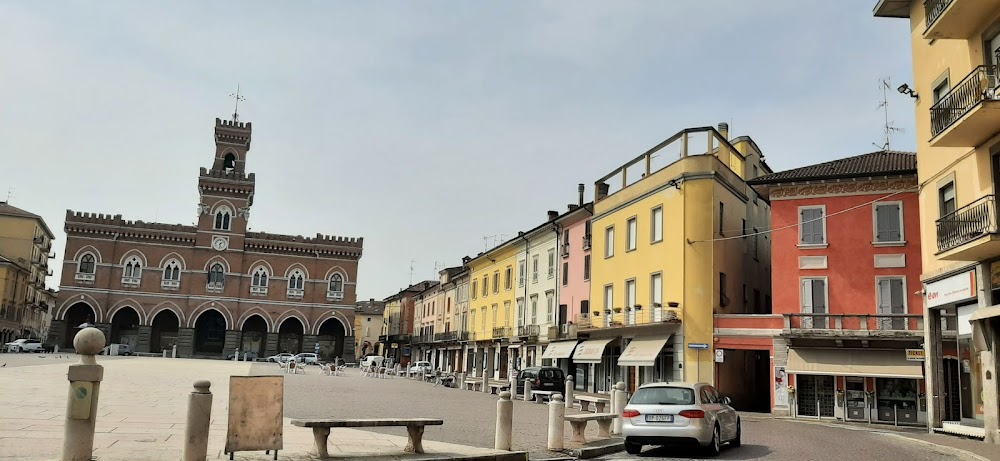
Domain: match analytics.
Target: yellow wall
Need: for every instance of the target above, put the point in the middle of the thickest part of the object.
(485, 265)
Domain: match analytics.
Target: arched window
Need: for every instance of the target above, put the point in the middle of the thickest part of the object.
(229, 163)
(133, 268)
(296, 280)
(87, 264)
(217, 275)
(337, 283)
(172, 271)
(222, 218)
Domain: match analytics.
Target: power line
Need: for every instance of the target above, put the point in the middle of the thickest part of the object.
(769, 231)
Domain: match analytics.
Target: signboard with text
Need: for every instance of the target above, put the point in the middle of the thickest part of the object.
(958, 287)
(915, 355)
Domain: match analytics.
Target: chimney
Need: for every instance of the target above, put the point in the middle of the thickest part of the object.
(602, 191)
(553, 215)
(724, 130)
(580, 189)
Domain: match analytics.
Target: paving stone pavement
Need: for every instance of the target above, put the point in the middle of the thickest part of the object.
(143, 406)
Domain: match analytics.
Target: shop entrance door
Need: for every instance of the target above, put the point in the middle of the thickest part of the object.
(814, 393)
(952, 391)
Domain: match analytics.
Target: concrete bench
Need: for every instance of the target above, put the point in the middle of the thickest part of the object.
(546, 394)
(579, 425)
(474, 385)
(414, 430)
(599, 403)
(496, 387)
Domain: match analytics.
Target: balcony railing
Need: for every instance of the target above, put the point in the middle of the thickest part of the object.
(170, 284)
(334, 295)
(84, 277)
(586, 242)
(968, 223)
(446, 336)
(970, 92)
(527, 330)
(933, 10)
(905, 325)
(501, 332)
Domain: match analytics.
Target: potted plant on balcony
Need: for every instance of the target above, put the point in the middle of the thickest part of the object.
(618, 309)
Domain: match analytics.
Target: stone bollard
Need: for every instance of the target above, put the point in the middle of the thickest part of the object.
(557, 422)
(164, 353)
(513, 384)
(461, 380)
(55, 349)
(486, 383)
(527, 390)
(236, 356)
(174, 353)
(505, 422)
(618, 401)
(569, 392)
(408, 367)
(198, 418)
(84, 390)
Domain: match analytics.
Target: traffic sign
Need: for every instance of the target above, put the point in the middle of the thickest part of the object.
(697, 346)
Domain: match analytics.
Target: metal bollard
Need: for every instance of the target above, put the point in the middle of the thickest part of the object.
(557, 422)
(505, 422)
(618, 401)
(199, 417)
(569, 392)
(817, 410)
(527, 390)
(84, 390)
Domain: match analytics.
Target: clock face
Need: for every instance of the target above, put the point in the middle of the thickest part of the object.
(220, 243)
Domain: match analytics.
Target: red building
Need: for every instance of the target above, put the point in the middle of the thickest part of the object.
(846, 321)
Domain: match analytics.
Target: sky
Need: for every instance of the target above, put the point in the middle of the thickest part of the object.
(423, 127)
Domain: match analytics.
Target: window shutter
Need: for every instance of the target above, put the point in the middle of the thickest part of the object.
(884, 297)
(819, 296)
(895, 226)
(807, 304)
(881, 224)
(896, 292)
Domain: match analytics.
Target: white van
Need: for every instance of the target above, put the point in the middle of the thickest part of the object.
(367, 362)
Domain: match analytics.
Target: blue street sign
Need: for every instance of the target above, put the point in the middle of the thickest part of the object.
(697, 346)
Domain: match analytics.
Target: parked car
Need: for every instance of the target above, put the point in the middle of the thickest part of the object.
(680, 414)
(251, 356)
(280, 358)
(370, 360)
(542, 379)
(123, 349)
(24, 345)
(307, 358)
(421, 366)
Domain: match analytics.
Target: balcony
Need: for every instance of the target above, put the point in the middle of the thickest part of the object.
(501, 332)
(885, 330)
(565, 250)
(969, 114)
(214, 287)
(969, 233)
(131, 282)
(258, 290)
(527, 331)
(447, 336)
(295, 293)
(170, 284)
(334, 295)
(586, 242)
(955, 19)
(562, 332)
(39, 240)
(85, 278)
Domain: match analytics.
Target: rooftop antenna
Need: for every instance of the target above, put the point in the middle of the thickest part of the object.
(238, 97)
(10, 194)
(412, 261)
(888, 128)
(438, 266)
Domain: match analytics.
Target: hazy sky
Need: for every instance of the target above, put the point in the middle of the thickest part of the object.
(422, 126)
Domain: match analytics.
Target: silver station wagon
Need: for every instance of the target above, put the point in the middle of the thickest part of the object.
(679, 414)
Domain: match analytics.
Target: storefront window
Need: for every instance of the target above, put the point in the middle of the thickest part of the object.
(896, 399)
(855, 398)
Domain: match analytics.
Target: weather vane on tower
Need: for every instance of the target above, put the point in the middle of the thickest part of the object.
(238, 97)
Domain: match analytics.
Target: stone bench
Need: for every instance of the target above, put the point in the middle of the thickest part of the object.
(414, 430)
(496, 387)
(473, 385)
(579, 425)
(546, 394)
(600, 403)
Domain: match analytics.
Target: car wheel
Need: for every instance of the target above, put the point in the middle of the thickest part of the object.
(632, 448)
(739, 435)
(715, 446)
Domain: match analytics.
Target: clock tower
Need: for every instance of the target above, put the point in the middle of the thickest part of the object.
(225, 189)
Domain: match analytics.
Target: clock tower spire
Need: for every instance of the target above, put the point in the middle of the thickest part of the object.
(225, 189)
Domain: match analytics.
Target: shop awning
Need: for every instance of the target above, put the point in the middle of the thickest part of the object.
(590, 351)
(985, 313)
(559, 350)
(869, 363)
(642, 352)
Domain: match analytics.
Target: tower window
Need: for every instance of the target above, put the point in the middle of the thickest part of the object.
(336, 283)
(296, 280)
(172, 271)
(222, 219)
(217, 275)
(229, 163)
(133, 268)
(260, 277)
(87, 264)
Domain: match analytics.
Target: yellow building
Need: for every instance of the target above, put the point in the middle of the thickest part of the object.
(668, 253)
(956, 91)
(491, 312)
(25, 242)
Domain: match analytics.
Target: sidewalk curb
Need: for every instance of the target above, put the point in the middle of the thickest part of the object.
(958, 452)
(612, 446)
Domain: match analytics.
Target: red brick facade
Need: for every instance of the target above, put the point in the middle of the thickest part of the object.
(214, 288)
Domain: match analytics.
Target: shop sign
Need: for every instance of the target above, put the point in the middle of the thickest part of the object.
(955, 288)
(780, 387)
(915, 355)
(720, 356)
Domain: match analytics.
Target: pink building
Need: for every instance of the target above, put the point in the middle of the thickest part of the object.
(574, 273)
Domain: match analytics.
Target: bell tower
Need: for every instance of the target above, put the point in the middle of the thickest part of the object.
(225, 189)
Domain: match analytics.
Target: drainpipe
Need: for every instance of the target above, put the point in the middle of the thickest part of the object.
(524, 310)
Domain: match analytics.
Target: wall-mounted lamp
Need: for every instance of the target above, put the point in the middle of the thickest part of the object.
(905, 89)
(675, 183)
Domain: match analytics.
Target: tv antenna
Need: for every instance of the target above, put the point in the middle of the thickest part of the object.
(10, 194)
(888, 129)
(238, 97)
(412, 262)
(438, 266)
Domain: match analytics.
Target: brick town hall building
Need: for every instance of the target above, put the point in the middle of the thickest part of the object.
(214, 288)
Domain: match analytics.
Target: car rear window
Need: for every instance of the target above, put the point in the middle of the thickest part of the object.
(663, 396)
(550, 374)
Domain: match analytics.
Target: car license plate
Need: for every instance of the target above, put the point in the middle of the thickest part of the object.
(659, 418)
